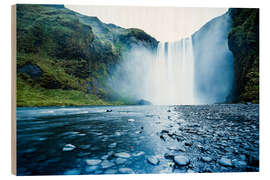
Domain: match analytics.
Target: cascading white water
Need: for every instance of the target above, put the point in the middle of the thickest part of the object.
(173, 73)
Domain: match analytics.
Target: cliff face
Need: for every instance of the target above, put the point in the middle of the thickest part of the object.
(61, 52)
(244, 44)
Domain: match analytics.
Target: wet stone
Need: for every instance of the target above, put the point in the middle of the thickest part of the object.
(239, 164)
(122, 155)
(225, 161)
(126, 171)
(138, 154)
(104, 157)
(68, 147)
(206, 159)
(182, 170)
(169, 155)
(190, 171)
(110, 171)
(181, 160)
(107, 164)
(153, 160)
(72, 172)
(131, 120)
(87, 146)
(113, 145)
(92, 162)
(120, 161)
(90, 169)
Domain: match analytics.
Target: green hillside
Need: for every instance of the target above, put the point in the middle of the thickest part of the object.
(64, 58)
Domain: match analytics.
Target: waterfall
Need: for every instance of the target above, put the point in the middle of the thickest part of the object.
(173, 73)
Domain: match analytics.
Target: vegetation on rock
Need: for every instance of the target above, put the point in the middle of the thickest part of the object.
(244, 44)
(64, 58)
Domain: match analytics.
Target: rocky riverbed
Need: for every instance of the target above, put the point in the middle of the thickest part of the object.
(138, 139)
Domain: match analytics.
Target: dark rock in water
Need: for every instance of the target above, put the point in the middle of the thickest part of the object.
(165, 131)
(126, 171)
(153, 160)
(169, 111)
(169, 155)
(253, 160)
(87, 146)
(109, 110)
(187, 143)
(181, 160)
(143, 102)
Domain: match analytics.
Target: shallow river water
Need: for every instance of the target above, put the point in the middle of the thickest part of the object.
(137, 139)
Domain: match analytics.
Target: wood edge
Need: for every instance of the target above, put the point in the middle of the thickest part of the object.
(13, 92)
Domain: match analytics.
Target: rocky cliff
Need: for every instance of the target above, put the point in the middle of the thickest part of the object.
(244, 44)
(64, 58)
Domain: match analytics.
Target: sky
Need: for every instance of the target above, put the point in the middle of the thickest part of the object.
(163, 23)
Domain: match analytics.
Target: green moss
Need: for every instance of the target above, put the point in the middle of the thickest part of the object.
(75, 53)
(244, 43)
(37, 96)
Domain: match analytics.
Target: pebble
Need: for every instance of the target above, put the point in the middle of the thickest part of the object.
(181, 160)
(110, 171)
(117, 133)
(153, 160)
(206, 159)
(138, 154)
(126, 171)
(107, 164)
(92, 162)
(239, 164)
(85, 146)
(120, 161)
(225, 161)
(90, 169)
(72, 172)
(190, 171)
(113, 145)
(122, 155)
(104, 157)
(68, 147)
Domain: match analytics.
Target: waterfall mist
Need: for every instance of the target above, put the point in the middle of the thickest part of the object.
(214, 72)
(193, 70)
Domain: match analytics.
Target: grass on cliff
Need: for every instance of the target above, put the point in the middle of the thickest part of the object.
(38, 96)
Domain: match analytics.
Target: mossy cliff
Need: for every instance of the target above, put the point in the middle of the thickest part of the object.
(243, 41)
(64, 58)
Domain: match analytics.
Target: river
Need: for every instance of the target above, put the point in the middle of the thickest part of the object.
(137, 139)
